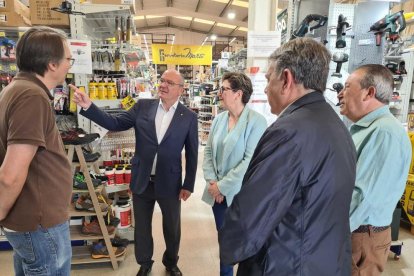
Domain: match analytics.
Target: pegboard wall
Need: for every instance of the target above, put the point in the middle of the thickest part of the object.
(363, 48)
(335, 10)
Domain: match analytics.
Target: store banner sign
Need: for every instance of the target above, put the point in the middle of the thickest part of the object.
(182, 54)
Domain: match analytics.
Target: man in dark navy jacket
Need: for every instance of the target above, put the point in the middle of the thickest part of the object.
(291, 216)
(162, 128)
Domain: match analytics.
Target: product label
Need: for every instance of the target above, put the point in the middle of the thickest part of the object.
(127, 2)
(125, 219)
(2, 4)
(3, 18)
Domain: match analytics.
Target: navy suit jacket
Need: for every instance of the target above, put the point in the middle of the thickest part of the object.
(181, 133)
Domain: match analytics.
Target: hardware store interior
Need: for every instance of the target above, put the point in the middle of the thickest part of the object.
(121, 48)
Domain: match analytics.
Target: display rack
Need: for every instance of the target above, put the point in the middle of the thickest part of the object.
(399, 106)
(82, 254)
(205, 117)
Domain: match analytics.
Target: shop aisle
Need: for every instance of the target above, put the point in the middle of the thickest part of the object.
(199, 248)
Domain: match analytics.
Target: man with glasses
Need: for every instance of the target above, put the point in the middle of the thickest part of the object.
(163, 127)
(35, 174)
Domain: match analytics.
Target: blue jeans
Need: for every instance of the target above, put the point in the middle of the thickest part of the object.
(219, 210)
(46, 251)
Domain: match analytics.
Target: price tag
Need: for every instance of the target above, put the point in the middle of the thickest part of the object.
(13, 67)
(2, 34)
(21, 33)
(1, 67)
(128, 102)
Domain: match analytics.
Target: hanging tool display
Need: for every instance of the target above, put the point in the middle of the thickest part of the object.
(306, 25)
(341, 28)
(391, 25)
(339, 58)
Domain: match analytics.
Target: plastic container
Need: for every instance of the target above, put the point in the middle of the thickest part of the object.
(110, 173)
(123, 212)
(127, 174)
(102, 170)
(119, 176)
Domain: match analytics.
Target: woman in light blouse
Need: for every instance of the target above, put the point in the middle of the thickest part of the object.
(233, 138)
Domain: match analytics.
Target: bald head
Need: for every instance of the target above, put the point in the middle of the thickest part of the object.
(176, 75)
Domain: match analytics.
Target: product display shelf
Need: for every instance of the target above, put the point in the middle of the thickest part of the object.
(84, 167)
(76, 235)
(75, 213)
(82, 255)
(116, 188)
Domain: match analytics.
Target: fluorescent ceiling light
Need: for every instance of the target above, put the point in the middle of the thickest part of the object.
(139, 17)
(188, 18)
(203, 21)
(226, 25)
(231, 15)
(235, 3)
(232, 40)
(243, 29)
(213, 37)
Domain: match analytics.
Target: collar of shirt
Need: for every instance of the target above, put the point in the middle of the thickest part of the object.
(32, 77)
(174, 106)
(368, 119)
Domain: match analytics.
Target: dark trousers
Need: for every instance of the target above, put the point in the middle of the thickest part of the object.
(219, 210)
(171, 225)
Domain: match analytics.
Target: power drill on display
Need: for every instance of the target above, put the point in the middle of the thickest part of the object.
(339, 58)
(338, 87)
(341, 31)
(392, 24)
(305, 25)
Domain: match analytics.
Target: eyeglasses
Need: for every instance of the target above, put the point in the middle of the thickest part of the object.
(222, 89)
(71, 61)
(169, 83)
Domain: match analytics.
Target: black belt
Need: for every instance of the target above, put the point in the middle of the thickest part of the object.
(368, 228)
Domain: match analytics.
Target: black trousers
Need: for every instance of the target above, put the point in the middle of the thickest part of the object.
(171, 225)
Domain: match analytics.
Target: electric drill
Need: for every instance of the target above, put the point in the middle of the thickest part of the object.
(305, 26)
(392, 24)
(339, 58)
(341, 31)
(338, 88)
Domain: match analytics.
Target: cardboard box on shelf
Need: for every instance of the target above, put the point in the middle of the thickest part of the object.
(131, 3)
(41, 13)
(13, 19)
(14, 6)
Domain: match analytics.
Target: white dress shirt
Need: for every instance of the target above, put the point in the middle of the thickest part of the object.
(163, 119)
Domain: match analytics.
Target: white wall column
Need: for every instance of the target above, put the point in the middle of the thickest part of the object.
(262, 17)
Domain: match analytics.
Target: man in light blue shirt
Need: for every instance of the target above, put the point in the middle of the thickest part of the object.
(384, 156)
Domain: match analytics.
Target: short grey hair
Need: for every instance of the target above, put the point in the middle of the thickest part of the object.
(379, 77)
(307, 60)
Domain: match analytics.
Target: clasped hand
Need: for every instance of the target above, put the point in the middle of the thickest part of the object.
(215, 192)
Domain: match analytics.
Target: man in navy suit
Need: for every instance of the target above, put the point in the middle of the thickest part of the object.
(163, 127)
